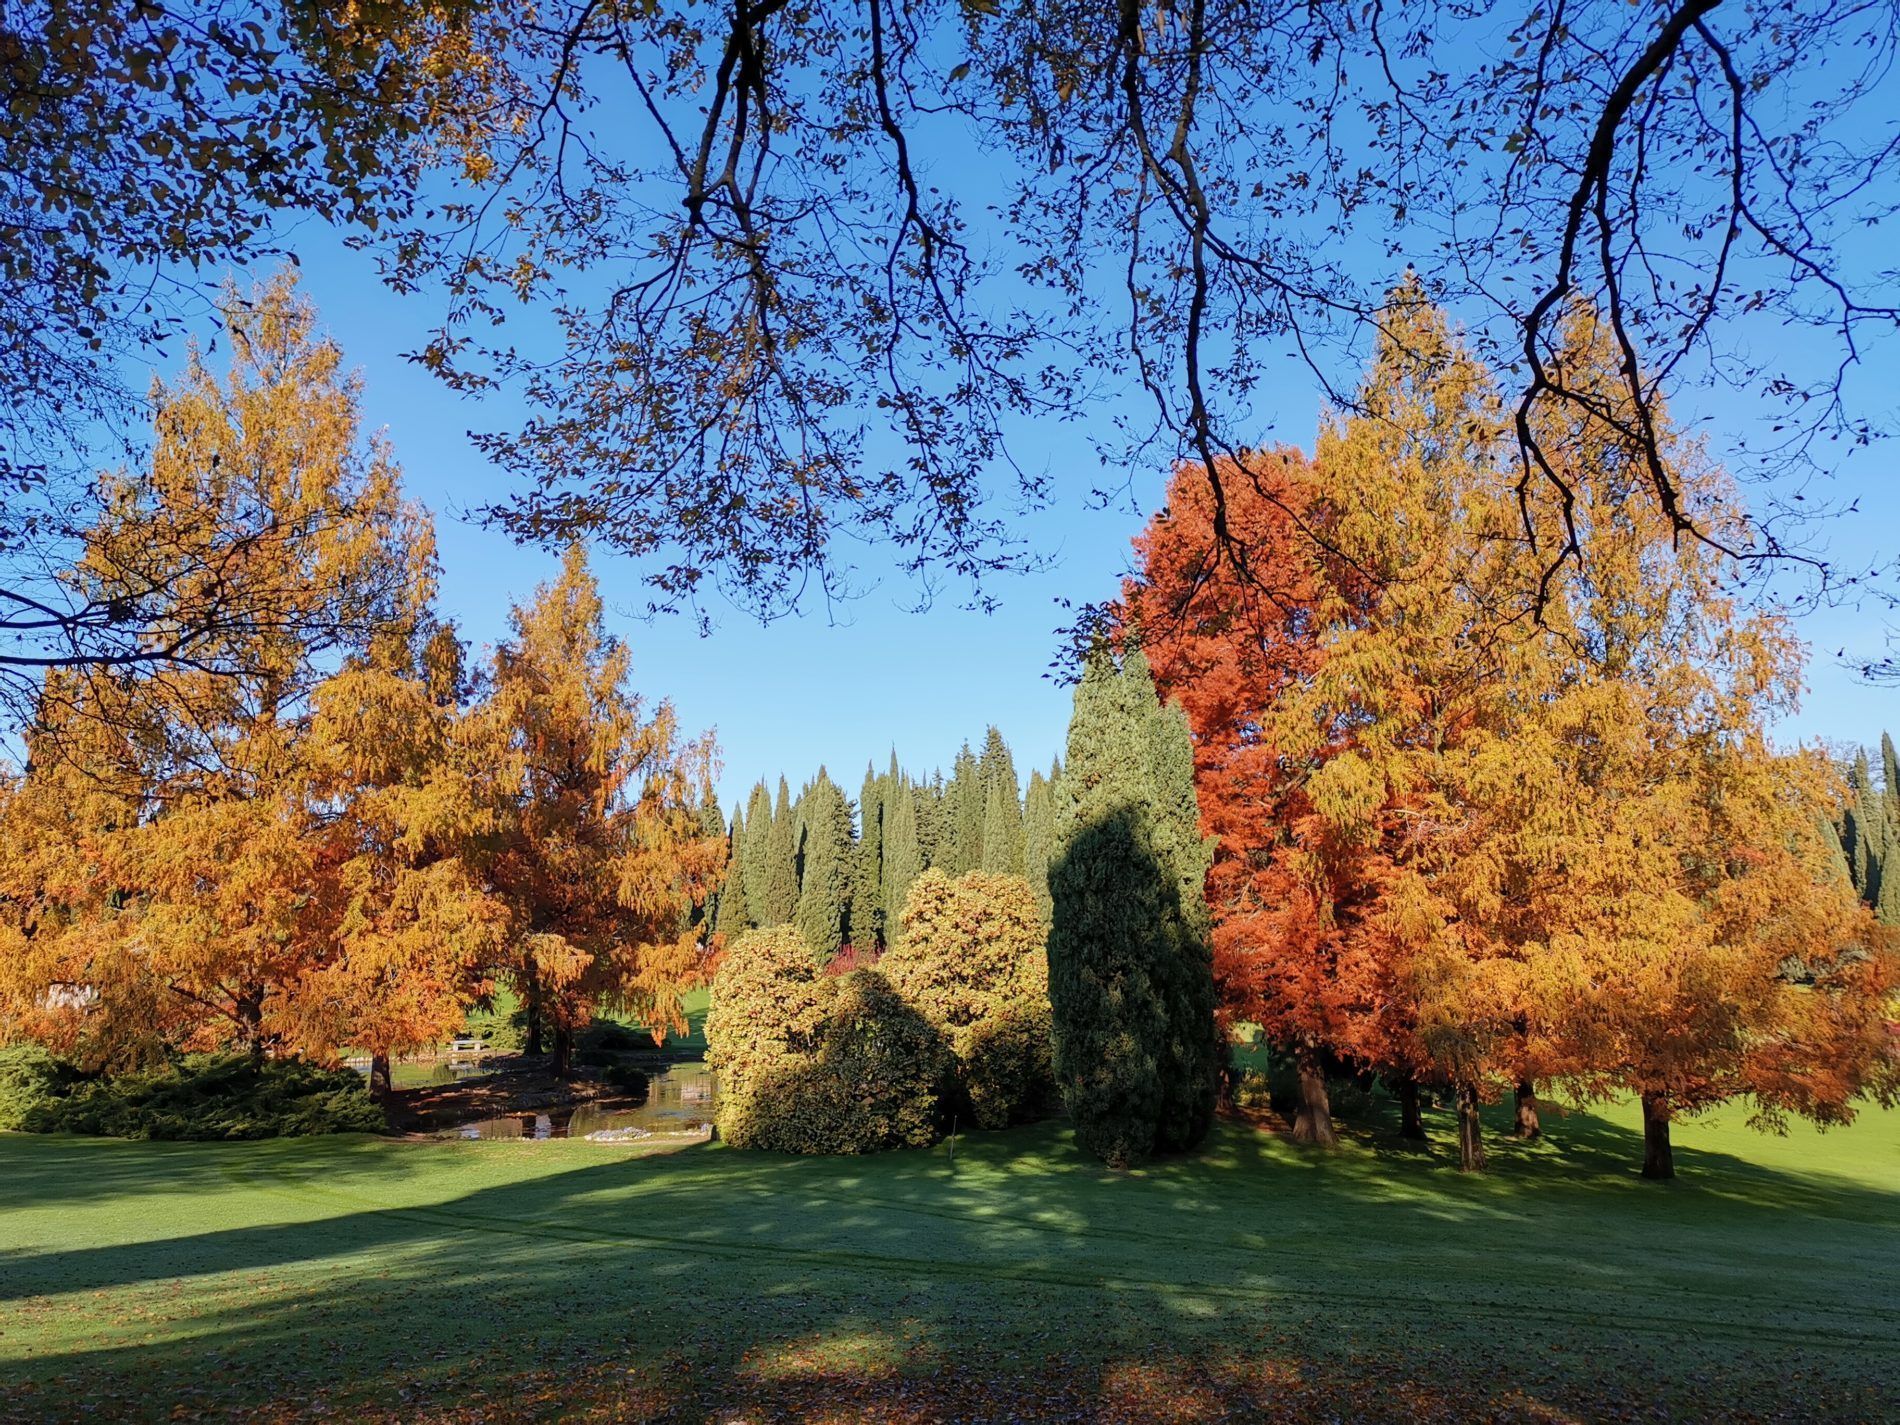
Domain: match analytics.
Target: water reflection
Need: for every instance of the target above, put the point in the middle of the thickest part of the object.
(679, 1100)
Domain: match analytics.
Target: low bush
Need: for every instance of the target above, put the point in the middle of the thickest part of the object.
(203, 1097)
(814, 1063)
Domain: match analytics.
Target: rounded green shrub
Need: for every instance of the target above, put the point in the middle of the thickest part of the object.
(816, 1064)
(970, 958)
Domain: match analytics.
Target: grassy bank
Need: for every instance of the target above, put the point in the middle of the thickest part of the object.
(496, 1281)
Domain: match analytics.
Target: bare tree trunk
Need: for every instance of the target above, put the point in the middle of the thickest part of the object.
(1470, 1131)
(1527, 1124)
(1313, 1119)
(381, 1082)
(563, 1063)
(1659, 1159)
(1411, 1121)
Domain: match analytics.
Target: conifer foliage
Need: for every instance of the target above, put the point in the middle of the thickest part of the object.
(1130, 970)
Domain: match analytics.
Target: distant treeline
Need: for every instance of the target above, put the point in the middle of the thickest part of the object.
(839, 868)
(1867, 832)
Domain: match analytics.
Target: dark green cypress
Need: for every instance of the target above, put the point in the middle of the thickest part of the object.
(903, 853)
(1002, 808)
(712, 824)
(756, 856)
(963, 814)
(932, 839)
(1039, 831)
(1130, 970)
(1887, 899)
(1890, 779)
(867, 884)
(777, 900)
(731, 917)
(1865, 836)
(826, 850)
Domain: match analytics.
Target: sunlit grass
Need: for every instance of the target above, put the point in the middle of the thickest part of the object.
(352, 1271)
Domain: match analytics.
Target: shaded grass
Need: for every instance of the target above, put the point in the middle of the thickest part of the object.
(551, 1279)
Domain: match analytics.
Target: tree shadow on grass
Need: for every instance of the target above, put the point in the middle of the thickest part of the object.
(719, 1277)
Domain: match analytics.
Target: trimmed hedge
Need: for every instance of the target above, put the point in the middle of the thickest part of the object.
(206, 1096)
(814, 1064)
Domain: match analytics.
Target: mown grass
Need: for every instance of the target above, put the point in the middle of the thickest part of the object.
(1013, 1278)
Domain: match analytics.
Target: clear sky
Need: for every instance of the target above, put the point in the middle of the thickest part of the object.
(842, 685)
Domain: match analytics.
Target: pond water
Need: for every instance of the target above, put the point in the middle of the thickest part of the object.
(679, 1099)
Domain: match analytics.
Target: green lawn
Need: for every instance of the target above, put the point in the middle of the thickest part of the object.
(376, 1279)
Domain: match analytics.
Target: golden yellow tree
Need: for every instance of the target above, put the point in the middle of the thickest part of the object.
(210, 886)
(597, 850)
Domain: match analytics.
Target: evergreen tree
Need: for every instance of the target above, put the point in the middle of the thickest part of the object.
(963, 816)
(1890, 779)
(1865, 836)
(756, 852)
(826, 850)
(867, 884)
(1039, 834)
(932, 839)
(777, 900)
(1131, 974)
(1002, 808)
(731, 917)
(712, 826)
(903, 855)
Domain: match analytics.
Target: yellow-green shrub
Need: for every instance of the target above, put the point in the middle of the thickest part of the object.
(816, 1064)
(970, 958)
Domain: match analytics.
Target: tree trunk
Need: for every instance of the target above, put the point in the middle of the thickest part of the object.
(381, 1084)
(1470, 1131)
(1313, 1119)
(1527, 1124)
(1659, 1159)
(250, 1018)
(532, 1003)
(1411, 1121)
(562, 1066)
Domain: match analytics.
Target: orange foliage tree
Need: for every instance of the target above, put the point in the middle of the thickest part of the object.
(1492, 818)
(595, 848)
(198, 893)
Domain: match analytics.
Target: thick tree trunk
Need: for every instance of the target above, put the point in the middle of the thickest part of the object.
(1527, 1124)
(1411, 1120)
(1659, 1159)
(562, 1066)
(1470, 1131)
(381, 1083)
(1313, 1119)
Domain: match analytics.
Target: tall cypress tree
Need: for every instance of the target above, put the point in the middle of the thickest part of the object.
(963, 815)
(712, 824)
(1039, 829)
(756, 855)
(903, 853)
(1002, 808)
(731, 918)
(867, 882)
(1865, 835)
(777, 901)
(1890, 779)
(1130, 970)
(826, 850)
(932, 839)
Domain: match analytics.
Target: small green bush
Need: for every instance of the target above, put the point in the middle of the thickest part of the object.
(815, 1064)
(30, 1080)
(203, 1097)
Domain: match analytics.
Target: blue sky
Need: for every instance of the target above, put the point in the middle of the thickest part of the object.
(837, 686)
